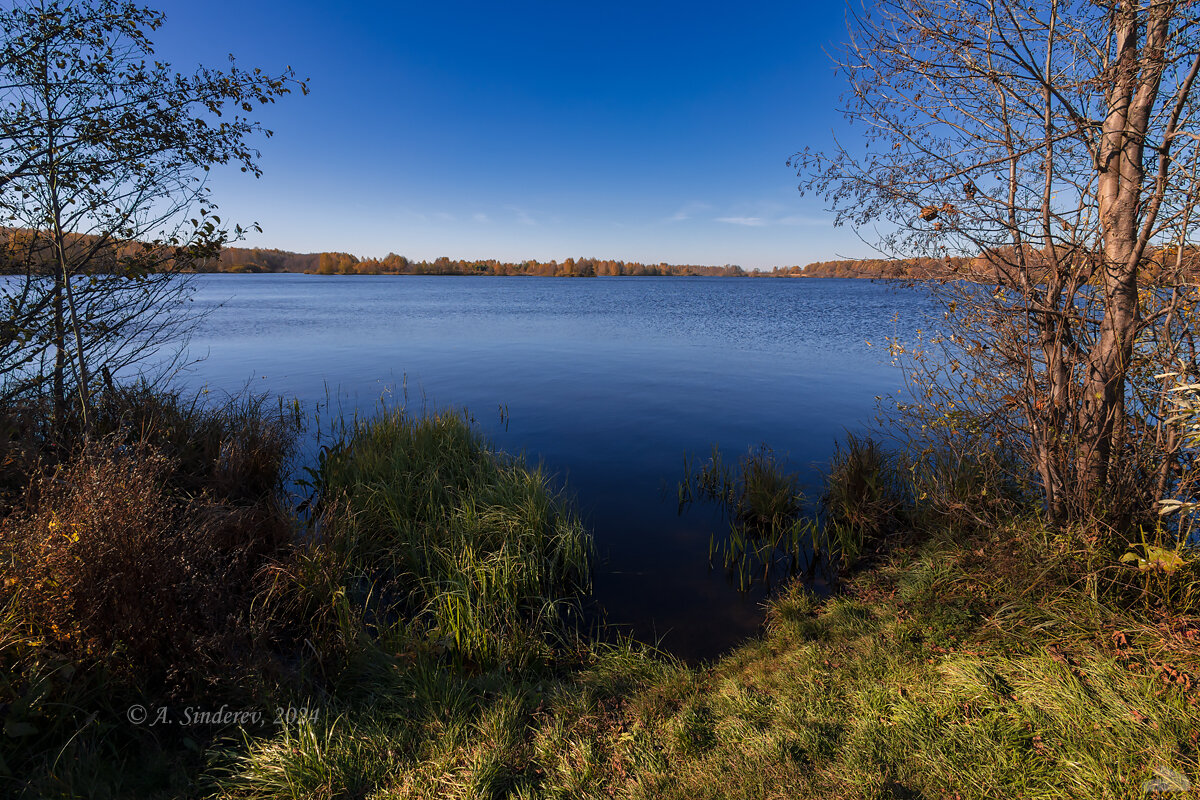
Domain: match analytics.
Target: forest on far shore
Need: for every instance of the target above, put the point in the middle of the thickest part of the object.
(261, 260)
(257, 260)
(23, 250)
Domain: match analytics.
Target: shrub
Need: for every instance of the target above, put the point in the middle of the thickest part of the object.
(112, 564)
(141, 548)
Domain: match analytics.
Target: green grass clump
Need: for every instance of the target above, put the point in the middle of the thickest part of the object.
(439, 534)
(769, 538)
(861, 499)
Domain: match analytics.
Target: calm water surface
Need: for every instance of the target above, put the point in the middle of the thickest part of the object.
(608, 381)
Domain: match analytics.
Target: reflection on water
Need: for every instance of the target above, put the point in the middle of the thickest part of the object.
(608, 381)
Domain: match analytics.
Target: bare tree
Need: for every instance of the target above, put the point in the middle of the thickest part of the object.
(1055, 145)
(103, 158)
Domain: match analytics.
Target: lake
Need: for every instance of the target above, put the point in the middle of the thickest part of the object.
(608, 381)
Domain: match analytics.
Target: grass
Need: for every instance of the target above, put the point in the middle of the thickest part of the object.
(929, 677)
(769, 537)
(773, 536)
(441, 539)
(965, 665)
(862, 496)
(425, 621)
(443, 580)
(922, 686)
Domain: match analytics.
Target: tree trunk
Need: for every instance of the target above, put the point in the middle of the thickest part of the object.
(59, 339)
(1136, 75)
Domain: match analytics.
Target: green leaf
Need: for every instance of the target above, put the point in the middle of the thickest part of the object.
(1166, 561)
(1157, 559)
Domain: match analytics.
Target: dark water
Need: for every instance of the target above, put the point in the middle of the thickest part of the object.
(609, 381)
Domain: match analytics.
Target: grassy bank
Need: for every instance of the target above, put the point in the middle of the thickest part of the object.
(417, 637)
(940, 673)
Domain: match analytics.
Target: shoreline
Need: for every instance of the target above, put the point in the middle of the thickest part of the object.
(953, 659)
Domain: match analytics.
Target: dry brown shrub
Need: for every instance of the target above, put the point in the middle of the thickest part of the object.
(112, 562)
(20, 450)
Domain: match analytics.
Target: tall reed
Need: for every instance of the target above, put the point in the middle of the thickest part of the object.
(862, 497)
(435, 531)
(763, 505)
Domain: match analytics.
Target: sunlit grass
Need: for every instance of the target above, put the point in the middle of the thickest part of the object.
(865, 696)
(426, 620)
(433, 528)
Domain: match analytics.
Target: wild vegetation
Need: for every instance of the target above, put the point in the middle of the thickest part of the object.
(769, 537)
(134, 560)
(418, 634)
(469, 548)
(1018, 604)
(932, 675)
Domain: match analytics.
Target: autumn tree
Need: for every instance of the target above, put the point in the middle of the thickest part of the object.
(1052, 147)
(103, 156)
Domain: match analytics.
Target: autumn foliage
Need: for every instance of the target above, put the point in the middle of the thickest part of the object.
(143, 549)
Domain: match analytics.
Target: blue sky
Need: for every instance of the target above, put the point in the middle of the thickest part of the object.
(640, 131)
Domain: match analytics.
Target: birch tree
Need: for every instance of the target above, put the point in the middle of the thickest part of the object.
(104, 153)
(1053, 144)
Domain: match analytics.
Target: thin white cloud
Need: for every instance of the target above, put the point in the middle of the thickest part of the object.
(431, 218)
(688, 211)
(523, 216)
(482, 218)
(753, 222)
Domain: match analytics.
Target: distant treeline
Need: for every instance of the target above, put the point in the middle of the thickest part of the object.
(257, 260)
(986, 267)
(880, 268)
(21, 250)
(24, 250)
